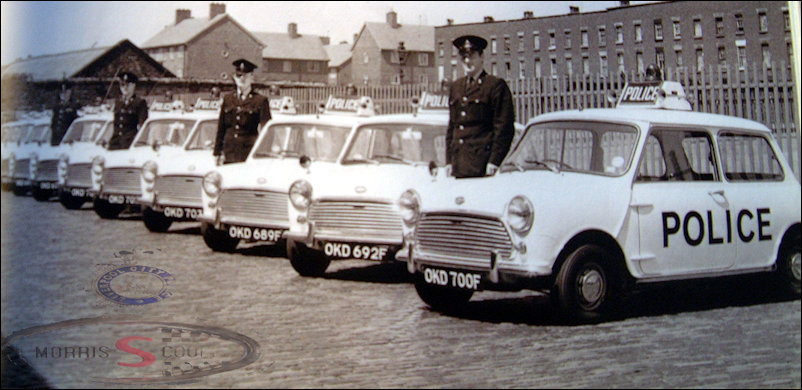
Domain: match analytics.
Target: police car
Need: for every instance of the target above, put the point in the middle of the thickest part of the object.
(13, 133)
(593, 203)
(248, 200)
(83, 142)
(349, 211)
(20, 161)
(116, 174)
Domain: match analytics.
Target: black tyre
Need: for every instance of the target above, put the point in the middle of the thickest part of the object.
(19, 191)
(584, 290)
(305, 261)
(106, 210)
(42, 195)
(218, 240)
(788, 268)
(71, 202)
(439, 297)
(155, 221)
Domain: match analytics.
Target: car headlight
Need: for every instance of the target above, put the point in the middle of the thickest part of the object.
(520, 215)
(212, 183)
(409, 207)
(63, 165)
(149, 171)
(301, 194)
(34, 162)
(97, 165)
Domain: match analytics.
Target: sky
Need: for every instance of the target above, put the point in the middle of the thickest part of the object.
(37, 28)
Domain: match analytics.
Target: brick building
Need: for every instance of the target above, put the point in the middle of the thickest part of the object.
(292, 57)
(378, 56)
(686, 36)
(204, 48)
(339, 64)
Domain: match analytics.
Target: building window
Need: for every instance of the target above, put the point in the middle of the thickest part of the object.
(584, 37)
(722, 55)
(790, 50)
(423, 79)
(520, 41)
(394, 57)
(423, 59)
(365, 58)
(585, 65)
(677, 31)
(569, 67)
(552, 40)
(678, 54)
(638, 33)
(494, 69)
(739, 24)
(697, 28)
(286, 66)
(537, 68)
(658, 30)
(602, 36)
(619, 34)
(313, 67)
(507, 68)
(766, 54)
(660, 57)
(568, 39)
(506, 44)
(553, 69)
(639, 62)
(603, 63)
(454, 50)
(521, 69)
(741, 51)
(454, 69)
(440, 50)
(493, 46)
(764, 21)
(536, 41)
(719, 26)
(395, 79)
(787, 20)
(620, 60)
(700, 60)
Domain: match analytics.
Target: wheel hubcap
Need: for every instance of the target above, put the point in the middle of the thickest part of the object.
(591, 286)
(795, 268)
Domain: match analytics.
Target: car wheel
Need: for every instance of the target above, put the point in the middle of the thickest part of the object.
(19, 191)
(439, 297)
(788, 267)
(584, 288)
(155, 221)
(305, 261)
(218, 240)
(41, 195)
(106, 210)
(71, 202)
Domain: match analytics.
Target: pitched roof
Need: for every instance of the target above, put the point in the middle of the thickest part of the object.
(187, 30)
(415, 38)
(338, 54)
(282, 46)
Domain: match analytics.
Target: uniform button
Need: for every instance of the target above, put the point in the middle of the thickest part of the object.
(237, 116)
(464, 98)
(461, 127)
(461, 141)
(236, 135)
(236, 127)
(462, 113)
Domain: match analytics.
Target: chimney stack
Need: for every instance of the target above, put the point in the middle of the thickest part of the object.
(624, 3)
(181, 15)
(488, 19)
(574, 9)
(216, 9)
(292, 29)
(450, 22)
(529, 14)
(392, 19)
(325, 40)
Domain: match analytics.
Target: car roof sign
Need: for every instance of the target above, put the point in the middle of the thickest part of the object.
(362, 106)
(654, 94)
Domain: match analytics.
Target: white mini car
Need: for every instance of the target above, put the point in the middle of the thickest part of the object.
(116, 174)
(81, 144)
(13, 133)
(19, 162)
(350, 210)
(595, 202)
(248, 200)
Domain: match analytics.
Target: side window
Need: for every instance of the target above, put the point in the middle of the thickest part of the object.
(748, 158)
(677, 155)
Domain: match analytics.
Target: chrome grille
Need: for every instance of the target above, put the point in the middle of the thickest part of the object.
(463, 235)
(122, 180)
(367, 219)
(22, 168)
(47, 171)
(5, 167)
(179, 190)
(254, 206)
(79, 175)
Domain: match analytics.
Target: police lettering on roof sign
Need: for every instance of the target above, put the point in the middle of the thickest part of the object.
(161, 106)
(207, 104)
(655, 94)
(282, 104)
(643, 93)
(359, 106)
(433, 101)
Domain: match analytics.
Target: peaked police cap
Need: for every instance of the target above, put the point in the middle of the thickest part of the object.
(128, 77)
(468, 43)
(244, 65)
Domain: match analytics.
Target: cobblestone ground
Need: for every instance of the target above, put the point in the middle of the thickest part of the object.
(362, 325)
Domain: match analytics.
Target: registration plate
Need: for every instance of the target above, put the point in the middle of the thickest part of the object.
(255, 233)
(450, 278)
(47, 185)
(20, 183)
(78, 192)
(344, 250)
(182, 212)
(122, 199)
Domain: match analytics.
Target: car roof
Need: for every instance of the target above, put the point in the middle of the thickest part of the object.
(429, 117)
(325, 119)
(653, 116)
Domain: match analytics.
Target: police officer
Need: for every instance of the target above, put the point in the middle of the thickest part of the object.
(242, 114)
(65, 111)
(130, 112)
(481, 115)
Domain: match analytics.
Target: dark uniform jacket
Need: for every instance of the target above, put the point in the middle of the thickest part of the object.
(63, 115)
(480, 125)
(239, 124)
(128, 117)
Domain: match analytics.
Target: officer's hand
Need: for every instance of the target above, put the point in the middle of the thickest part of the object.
(448, 169)
(491, 169)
